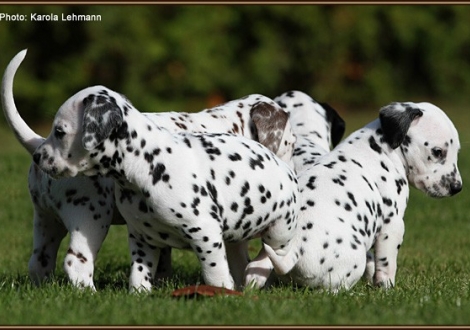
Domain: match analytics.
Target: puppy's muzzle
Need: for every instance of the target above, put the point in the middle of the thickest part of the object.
(40, 160)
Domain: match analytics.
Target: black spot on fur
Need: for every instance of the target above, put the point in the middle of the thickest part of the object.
(373, 144)
(235, 157)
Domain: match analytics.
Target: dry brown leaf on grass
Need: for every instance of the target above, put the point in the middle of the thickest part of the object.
(204, 291)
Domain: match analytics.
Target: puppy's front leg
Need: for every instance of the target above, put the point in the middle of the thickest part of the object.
(386, 252)
(48, 235)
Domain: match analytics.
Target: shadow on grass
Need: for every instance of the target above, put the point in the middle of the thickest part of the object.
(116, 277)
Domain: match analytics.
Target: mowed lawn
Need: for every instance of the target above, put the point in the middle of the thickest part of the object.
(432, 280)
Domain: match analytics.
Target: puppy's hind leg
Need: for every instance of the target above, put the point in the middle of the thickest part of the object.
(144, 263)
(212, 255)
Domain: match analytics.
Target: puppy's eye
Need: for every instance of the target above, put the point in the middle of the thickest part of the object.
(437, 152)
(59, 133)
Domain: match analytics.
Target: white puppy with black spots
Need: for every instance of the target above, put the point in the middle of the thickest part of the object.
(317, 127)
(354, 198)
(85, 206)
(181, 190)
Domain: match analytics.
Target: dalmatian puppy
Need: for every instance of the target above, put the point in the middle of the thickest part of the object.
(174, 189)
(316, 126)
(85, 207)
(354, 198)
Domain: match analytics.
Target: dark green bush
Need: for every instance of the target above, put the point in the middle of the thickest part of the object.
(186, 57)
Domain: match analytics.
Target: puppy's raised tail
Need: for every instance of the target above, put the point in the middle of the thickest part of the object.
(27, 137)
(282, 264)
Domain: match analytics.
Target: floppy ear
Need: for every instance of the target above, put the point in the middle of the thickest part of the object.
(396, 119)
(270, 123)
(101, 116)
(338, 126)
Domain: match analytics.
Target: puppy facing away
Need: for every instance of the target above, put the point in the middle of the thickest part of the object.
(182, 190)
(85, 206)
(316, 126)
(354, 198)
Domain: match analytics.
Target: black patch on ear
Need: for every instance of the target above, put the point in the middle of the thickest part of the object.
(270, 123)
(101, 116)
(395, 120)
(338, 126)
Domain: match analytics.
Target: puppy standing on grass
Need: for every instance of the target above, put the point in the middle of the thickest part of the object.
(316, 126)
(179, 190)
(85, 206)
(354, 198)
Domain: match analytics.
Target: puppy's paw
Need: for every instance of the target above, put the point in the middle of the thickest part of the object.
(256, 275)
(383, 281)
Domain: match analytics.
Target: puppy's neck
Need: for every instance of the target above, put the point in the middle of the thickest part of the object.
(129, 154)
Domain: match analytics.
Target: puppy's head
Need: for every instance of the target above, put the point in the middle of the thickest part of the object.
(429, 144)
(82, 123)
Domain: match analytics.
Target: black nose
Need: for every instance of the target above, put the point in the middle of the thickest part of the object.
(455, 187)
(36, 157)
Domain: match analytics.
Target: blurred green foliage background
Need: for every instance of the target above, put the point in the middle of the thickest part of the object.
(188, 57)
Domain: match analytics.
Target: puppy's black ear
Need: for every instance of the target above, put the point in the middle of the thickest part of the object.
(270, 123)
(338, 126)
(396, 119)
(101, 116)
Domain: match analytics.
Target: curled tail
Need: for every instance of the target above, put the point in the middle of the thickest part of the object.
(27, 137)
(282, 264)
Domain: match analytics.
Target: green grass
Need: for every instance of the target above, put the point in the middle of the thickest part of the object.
(432, 281)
